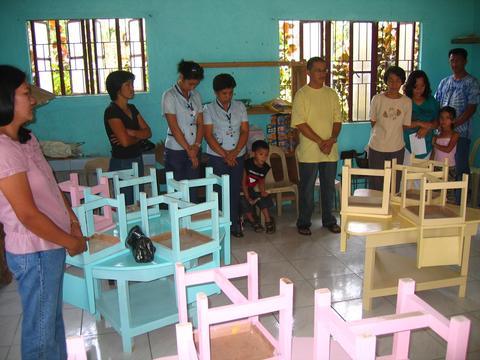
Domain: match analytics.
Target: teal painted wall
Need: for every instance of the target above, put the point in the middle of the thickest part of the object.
(215, 30)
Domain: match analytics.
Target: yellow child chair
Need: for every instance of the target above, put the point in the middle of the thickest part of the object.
(441, 226)
(412, 194)
(364, 202)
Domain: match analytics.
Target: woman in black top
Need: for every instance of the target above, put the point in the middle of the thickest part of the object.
(125, 127)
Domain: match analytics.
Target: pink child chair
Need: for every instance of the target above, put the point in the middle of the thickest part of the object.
(233, 331)
(76, 348)
(103, 221)
(357, 339)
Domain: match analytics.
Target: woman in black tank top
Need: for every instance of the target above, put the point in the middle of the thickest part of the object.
(124, 125)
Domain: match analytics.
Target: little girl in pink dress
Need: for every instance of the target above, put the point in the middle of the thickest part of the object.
(445, 143)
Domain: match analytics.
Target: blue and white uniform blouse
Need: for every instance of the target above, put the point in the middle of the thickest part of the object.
(226, 124)
(186, 111)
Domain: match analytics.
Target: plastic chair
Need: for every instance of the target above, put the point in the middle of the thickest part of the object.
(475, 173)
(280, 187)
(357, 339)
(233, 331)
(202, 221)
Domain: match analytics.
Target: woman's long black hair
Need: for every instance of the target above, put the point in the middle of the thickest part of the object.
(10, 79)
(412, 80)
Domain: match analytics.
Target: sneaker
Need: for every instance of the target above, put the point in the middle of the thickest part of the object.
(270, 226)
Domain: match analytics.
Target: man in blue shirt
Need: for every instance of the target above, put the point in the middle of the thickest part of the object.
(462, 92)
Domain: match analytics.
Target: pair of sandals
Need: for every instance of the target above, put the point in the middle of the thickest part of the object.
(257, 227)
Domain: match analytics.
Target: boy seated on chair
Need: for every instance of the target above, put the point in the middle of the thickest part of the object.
(253, 186)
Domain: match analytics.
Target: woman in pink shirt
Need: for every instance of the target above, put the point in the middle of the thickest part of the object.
(39, 224)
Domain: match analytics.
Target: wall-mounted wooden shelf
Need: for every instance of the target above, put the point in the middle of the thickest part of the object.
(259, 110)
(471, 39)
(233, 64)
(299, 74)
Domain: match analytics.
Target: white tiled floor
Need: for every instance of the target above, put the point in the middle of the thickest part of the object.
(310, 262)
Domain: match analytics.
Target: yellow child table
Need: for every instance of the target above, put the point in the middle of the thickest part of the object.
(383, 267)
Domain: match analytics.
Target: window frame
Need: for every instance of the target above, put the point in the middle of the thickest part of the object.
(92, 73)
(327, 37)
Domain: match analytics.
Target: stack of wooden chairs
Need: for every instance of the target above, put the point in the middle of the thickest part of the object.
(125, 300)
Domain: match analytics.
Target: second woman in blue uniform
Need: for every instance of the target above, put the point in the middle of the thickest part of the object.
(226, 132)
(182, 107)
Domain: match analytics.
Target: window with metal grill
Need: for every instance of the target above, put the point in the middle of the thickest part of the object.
(357, 54)
(74, 57)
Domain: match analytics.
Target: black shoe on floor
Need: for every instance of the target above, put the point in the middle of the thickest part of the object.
(237, 233)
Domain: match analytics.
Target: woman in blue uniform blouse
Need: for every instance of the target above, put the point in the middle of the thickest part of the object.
(226, 132)
(182, 107)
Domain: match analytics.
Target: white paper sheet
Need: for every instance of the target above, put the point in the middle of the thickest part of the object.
(418, 145)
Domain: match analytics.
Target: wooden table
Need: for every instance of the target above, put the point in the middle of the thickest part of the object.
(383, 267)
